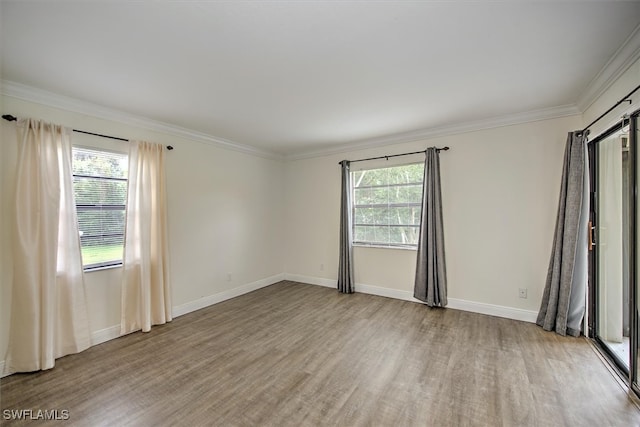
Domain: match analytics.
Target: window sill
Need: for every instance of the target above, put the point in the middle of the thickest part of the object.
(106, 267)
(402, 248)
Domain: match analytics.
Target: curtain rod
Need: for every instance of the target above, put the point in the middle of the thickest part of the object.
(11, 118)
(624, 99)
(396, 155)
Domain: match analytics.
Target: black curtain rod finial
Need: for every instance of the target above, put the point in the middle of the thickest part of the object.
(169, 147)
(9, 117)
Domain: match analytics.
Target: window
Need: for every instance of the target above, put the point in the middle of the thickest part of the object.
(387, 206)
(100, 188)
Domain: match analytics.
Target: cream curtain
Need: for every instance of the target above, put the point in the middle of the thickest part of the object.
(146, 288)
(48, 309)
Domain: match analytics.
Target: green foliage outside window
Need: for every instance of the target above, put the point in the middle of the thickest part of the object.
(387, 205)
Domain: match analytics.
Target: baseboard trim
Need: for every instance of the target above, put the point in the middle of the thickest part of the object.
(455, 303)
(200, 303)
(104, 335)
(112, 332)
(318, 281)
(494, 310)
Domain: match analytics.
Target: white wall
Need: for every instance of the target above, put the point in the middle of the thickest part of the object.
(225, 211)
(500, 195)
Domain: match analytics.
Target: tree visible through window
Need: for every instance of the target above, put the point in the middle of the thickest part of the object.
(387, 205)
(100, 188)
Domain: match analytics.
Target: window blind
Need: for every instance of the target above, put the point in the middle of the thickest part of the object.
(100, 188)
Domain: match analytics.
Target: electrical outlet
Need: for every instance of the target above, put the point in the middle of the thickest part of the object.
(229, 277)
(321, 267)
(522, 293)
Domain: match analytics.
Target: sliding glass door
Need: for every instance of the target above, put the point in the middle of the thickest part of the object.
(613, 314)
(612, 245)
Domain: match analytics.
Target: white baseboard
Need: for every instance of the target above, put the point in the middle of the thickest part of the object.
(458, 304)
(104, 335)
(112, 332)
(494, 310)
(328, 283)
(225, 295)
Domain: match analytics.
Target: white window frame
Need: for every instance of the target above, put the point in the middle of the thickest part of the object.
(99, 144)
(373, 244)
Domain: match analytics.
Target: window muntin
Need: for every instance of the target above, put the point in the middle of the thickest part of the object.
(100, 189)
(387, 205)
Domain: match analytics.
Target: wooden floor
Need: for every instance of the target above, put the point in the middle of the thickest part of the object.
(297, 355)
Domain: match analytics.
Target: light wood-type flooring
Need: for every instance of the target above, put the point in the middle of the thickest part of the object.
(302, 355)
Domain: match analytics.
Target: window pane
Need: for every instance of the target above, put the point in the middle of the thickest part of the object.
(404, 215)
(101, 251)
(407, 193)
(396, 236)
(94, 223)
(100, 190)
(360, 234)
(379, 195)
(99, 163)
(387, 205)
(405, 235)
(363, 196)
(370, 177)
(381, 234)
(365, 216)
(381, 216)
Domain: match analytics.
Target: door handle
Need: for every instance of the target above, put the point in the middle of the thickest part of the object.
(592, 242)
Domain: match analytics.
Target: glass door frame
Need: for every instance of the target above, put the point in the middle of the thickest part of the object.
(634, 298)
(630, 372)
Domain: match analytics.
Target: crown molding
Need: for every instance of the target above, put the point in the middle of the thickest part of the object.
(625, 57)
(428, 133)
(50, 99)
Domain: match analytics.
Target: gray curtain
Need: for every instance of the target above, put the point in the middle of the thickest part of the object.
(431, 276)
(345, 269)
(563, 300)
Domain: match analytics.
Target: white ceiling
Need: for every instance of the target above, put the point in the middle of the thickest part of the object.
(299, 76)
